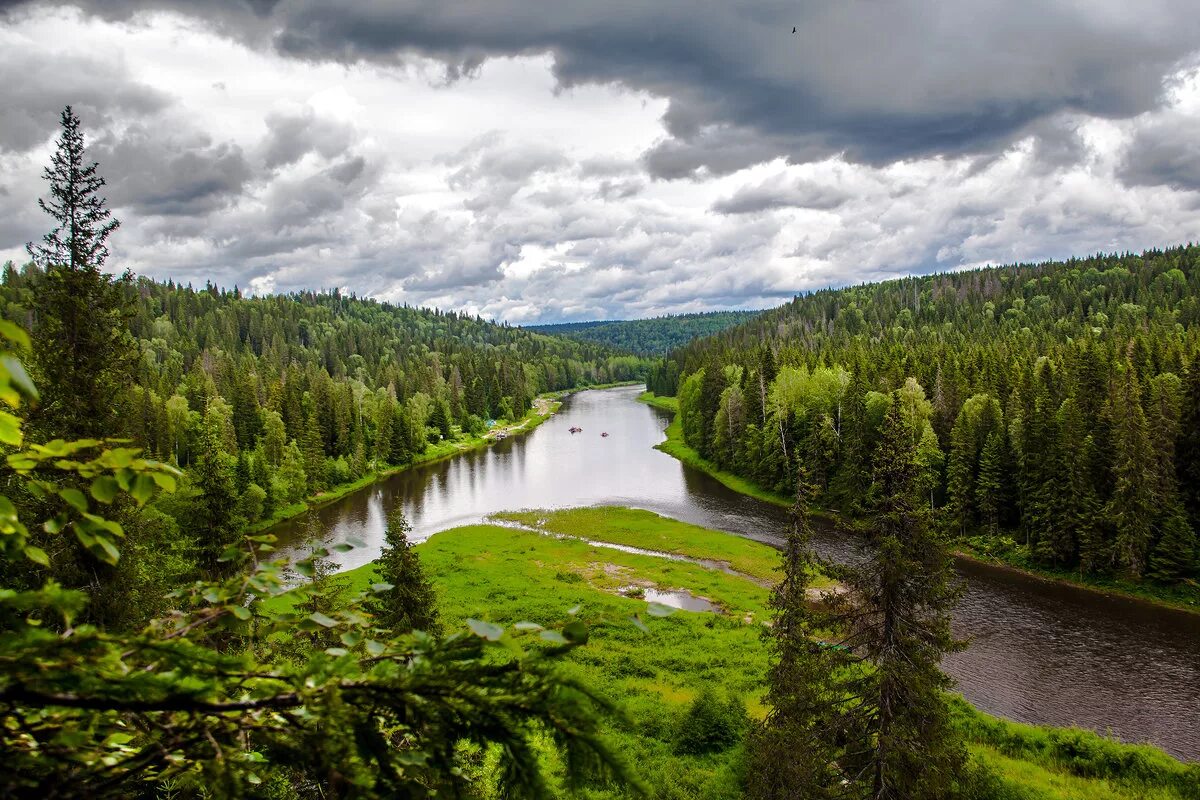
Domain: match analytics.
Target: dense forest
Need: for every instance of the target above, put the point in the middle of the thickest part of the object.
(1053, 408)
(649, 337)
(266, 400)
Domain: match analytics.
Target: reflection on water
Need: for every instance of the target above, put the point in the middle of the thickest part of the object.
(675, 598)
(1040, 652)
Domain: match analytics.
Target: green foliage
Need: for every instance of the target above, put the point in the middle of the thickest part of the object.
(1045, 402)
(404, 599)
(795, 751)
(1081, 753)
(89, 712)
(711, 724)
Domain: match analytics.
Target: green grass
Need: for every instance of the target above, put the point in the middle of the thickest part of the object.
(676, 447)
(665, 403)
(645, 529)
(1072, 762)
(507, 575)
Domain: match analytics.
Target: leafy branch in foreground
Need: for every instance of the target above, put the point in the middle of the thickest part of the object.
(202, 698)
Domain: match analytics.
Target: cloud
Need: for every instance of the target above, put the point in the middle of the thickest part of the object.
(296, 133)
(877, 82)
(562, 162)
(38, 85)
(778, 192)
(155, 173)
(1164, 152)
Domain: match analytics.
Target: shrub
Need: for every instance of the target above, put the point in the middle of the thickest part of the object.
(711, 725)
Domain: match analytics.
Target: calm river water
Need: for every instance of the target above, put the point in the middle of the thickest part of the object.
(1039, 651)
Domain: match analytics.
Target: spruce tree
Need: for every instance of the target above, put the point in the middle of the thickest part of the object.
(851, 481)
(1132, 506)
(908, 747)
(83, 353)
(214, 524)
(960, 489)
(1187, 461)
(989, 487)
(411, 603)
(1173, 554)
(794, 752)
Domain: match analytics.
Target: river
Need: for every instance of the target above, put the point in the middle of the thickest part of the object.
(1039, 651)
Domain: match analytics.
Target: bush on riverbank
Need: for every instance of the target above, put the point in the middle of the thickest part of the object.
(1080, 752)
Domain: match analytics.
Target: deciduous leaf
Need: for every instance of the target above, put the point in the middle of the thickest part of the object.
(75, 499)
(528, 626)
(485, 630)
(37, 555)
(575, 632)
(104, 488)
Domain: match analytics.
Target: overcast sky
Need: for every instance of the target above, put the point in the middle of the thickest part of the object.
(550, 161)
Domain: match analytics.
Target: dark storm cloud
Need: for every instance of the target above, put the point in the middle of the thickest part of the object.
(782, 193)
(160, 175)
(35, 89)
(876, 81)
(1165, 152)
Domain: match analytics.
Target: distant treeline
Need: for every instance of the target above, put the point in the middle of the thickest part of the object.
(649, 336)
(1053, 407)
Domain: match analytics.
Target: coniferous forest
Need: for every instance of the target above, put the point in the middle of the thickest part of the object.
(650, 337)
(265, 401)
(1053, 409)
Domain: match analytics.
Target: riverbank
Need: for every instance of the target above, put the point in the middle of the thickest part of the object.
(506, 575)
(1167, 597)
(544, 406)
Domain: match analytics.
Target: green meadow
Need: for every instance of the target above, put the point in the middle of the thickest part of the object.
(653, 668)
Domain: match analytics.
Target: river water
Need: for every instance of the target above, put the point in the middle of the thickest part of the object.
(1039, 651)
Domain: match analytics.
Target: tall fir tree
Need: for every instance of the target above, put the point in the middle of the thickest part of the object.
(900, 602)
(1187, 450)
(214, 522)
(989, 486)
(1132, 505)
(83, 355)
(794, 752)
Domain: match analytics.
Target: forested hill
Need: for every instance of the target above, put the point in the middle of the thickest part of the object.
(649, 336)
(325, 357)
(267, 400)
(1053, 413)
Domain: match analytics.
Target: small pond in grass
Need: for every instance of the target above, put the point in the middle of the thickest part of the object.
(673, 598)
